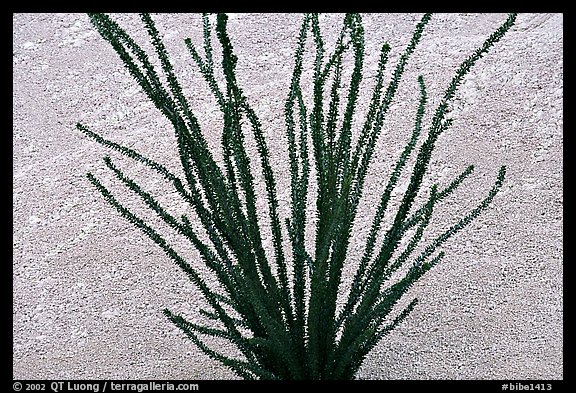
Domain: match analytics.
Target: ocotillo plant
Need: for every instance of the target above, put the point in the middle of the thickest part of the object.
(281, 313)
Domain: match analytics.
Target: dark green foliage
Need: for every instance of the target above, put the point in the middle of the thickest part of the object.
(284, 319)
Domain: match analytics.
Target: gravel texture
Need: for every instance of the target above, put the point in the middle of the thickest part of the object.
(89, 287)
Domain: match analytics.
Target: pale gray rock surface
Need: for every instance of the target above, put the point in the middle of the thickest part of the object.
(89, 288)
